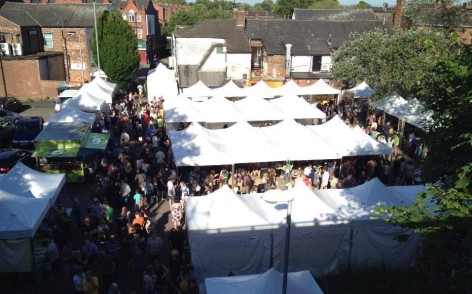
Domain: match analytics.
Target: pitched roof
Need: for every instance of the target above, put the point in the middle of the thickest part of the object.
(333, 14)
(21, 18)
(59, 15)
(236, 41)
(307, 37)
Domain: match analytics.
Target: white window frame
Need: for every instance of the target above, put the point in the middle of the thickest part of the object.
(139, 33)
(51, 38)
(124, 16)
(138, 17)
(131, 16)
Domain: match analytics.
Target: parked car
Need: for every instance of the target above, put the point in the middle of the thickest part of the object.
(7, 115)
(7, 128)
(10, 103)
(62, 98)
(26, 131)
(9, 158)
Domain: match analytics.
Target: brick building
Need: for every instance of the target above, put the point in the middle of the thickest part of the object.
(142, 17)
(62, 52)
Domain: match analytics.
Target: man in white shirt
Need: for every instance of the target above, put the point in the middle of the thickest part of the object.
(325, 179)
(171, 190)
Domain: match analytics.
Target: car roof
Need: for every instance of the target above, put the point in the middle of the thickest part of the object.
(67, 93)
(29, 119)
(5, 153)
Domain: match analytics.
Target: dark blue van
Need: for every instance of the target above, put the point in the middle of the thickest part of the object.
(26, 131)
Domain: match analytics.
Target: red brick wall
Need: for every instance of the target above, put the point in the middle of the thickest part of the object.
(274, 68)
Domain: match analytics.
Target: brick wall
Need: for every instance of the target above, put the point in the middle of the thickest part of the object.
(67, 41)
(274, 68)
(10, 30)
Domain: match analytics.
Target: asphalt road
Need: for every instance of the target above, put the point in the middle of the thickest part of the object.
(44, 108)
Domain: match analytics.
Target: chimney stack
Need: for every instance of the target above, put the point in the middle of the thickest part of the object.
(240, 16)
(288, 60)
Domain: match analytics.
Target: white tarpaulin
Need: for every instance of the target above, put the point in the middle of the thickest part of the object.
(295, 107)
(218, 109)
(230, 89)
(330, 229)
(410, 111)
(290, 88)
(86, 102)
(70, 114)
(260, 89)
(269, 282)
(347, 141)
(194, 146)
(198, 90)
(96, 90)
(181, 109)
(108, 86)
(363, 90)
(255, 108)
(320, 88)
(298, 142)
(161, 83)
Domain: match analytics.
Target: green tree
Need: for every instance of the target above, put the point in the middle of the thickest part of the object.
(284, 8)
(326, 4)
(266, 5)
(118, 46)
(444, 15)
(362, 5)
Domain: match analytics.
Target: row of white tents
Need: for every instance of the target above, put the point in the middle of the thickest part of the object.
(93, 97)
(253, 108)
(331, 229)
(242, 143)
(26, 196)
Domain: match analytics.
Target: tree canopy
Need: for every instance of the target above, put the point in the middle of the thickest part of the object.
(118, 46)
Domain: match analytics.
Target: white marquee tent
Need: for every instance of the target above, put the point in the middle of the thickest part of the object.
(70, 114)
(330, 229)
(320, 88)
(88, 103)
(410, 111)
(198, 90)
(290, 88)
(95, 89)
(260, 89)
(230, 89)
(25, 198)
(181, 109)
(255, 108)
(161, 82)
(107, 86)
(349, 142)
(269, 282)
(295, 107)
(218, 109)
(363, 90)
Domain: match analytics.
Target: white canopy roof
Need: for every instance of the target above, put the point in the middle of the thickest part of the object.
(255, 108)
(230, 89)
(25, 197)
(161, 83)
(86, 102)
(411, 111)
(320, 88)
(110, 87)
(290, 88)
(70, 114)
(218, 109)
(94, 89)
(260, 89)
(194, 146)
(298, 142)
(347, 141)
(295, 107)
(198, 90)
(269, 282)
(181, 109)
(363, 90)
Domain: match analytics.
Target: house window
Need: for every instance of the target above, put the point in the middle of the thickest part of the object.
(124, 16)
(131, 16)
(140, 33)
(2, 39)
(220, 50)
(48, 43)
(316, 63)
(138, 17)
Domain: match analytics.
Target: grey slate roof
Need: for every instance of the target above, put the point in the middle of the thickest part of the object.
(59, 15)
(306, 37)
(20, 18)
(236, 41)
(333, 14)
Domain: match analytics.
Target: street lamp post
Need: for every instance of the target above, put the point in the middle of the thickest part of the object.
(278, 196)
(96, 36)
